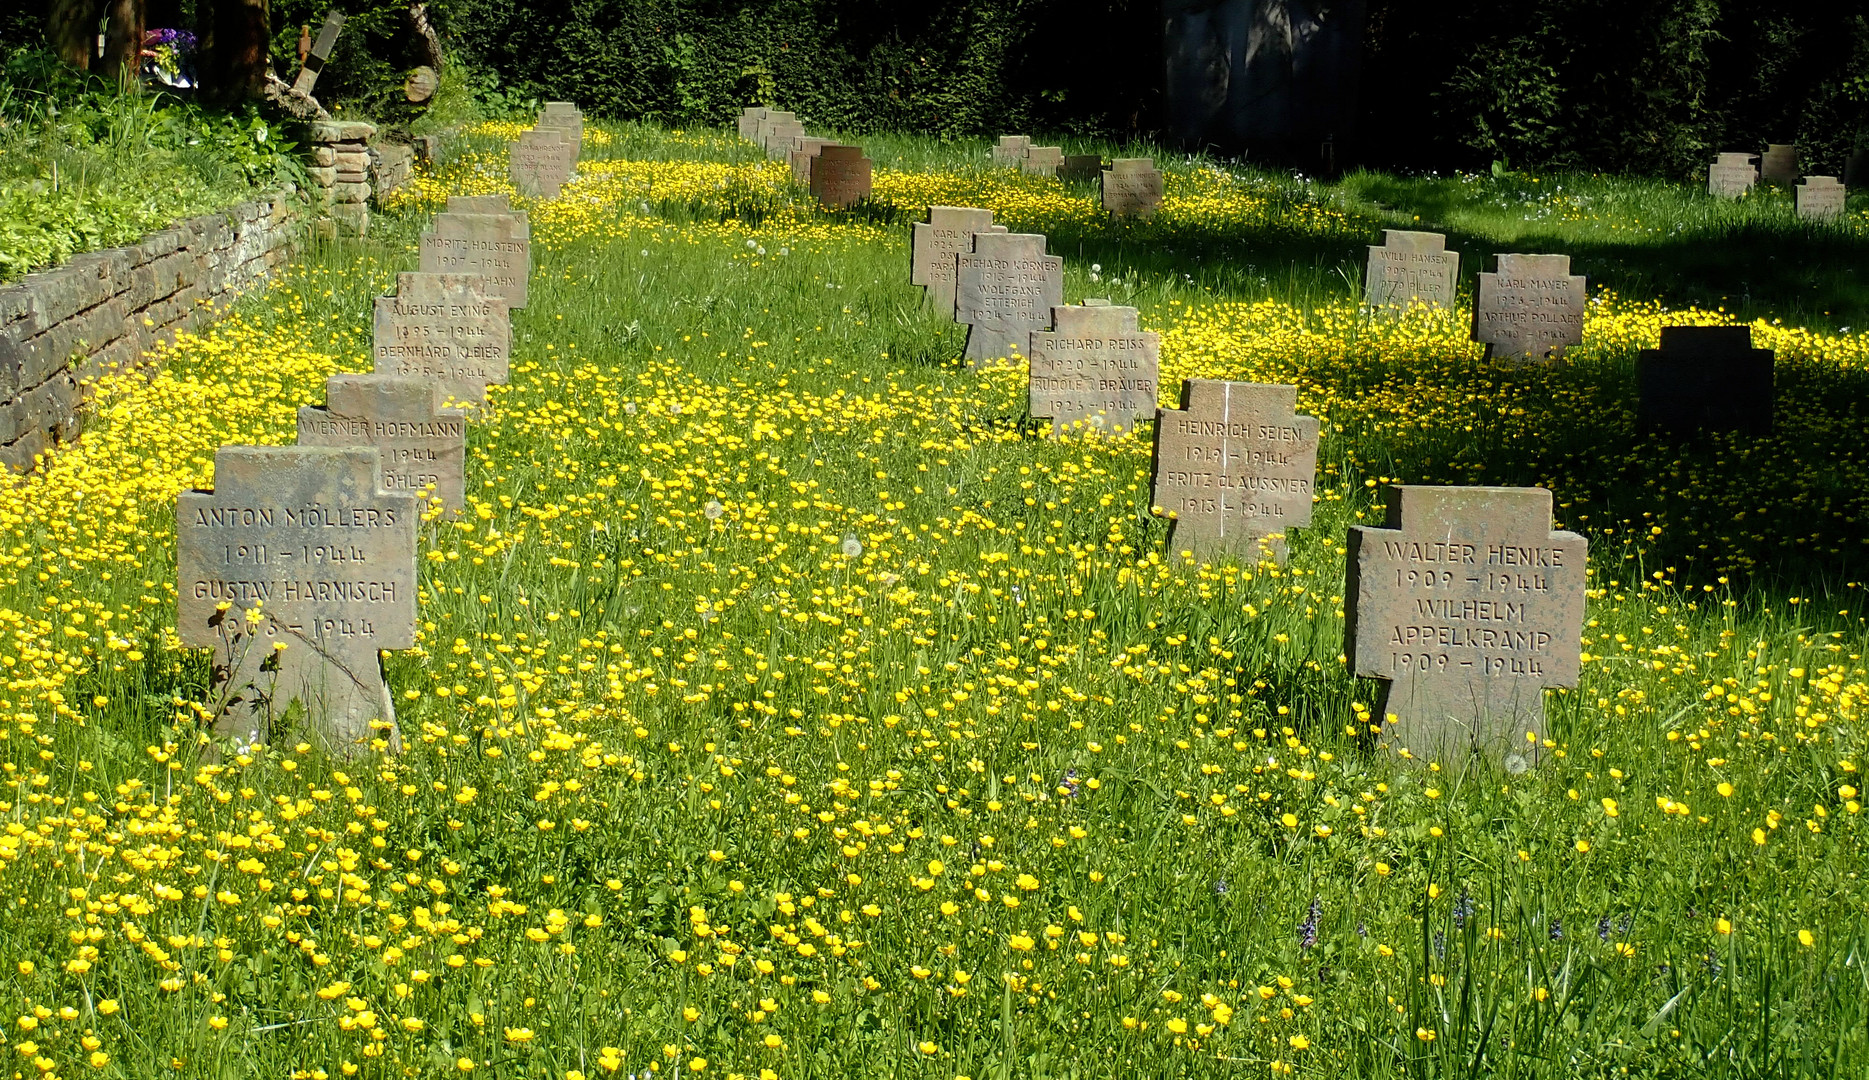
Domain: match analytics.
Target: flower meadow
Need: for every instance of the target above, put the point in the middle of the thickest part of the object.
(787, 705)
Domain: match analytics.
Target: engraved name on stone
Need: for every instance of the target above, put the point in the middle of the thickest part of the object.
(1234, 466)
(840, 176)
(540, 162)
(497, 247)
(1004, 290)
(1096, 371)
(1411, 268)
(1010, 150)
(935, 248)
(1132, 187)
(1820, 198)
(1731, 175)
(447, 329)
(1530, 309)
(423, 446)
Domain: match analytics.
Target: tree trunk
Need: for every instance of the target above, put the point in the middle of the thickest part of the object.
(123, 43)
(235, 38)
(70, 28)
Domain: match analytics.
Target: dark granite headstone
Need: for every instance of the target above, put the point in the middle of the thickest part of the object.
(1469, 605)
(1704, 378)
(1779, 163)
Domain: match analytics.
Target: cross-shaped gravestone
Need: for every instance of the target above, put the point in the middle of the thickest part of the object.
(1097, 370)
(1469, 605)
(447, 329)
(1234, 468)
(1731, 175)
(1411, 268)
(804, 149)
(1820, 198)
(1779, 163)
(485, 204)
(320, 52)
(1010, 150)
(566, 117)
(1077, 167)
(498, 247)
(540, 163)
(1042, 160)
(423, 446)
(296, 569)
(1704, 378)
(936, 245)
(1132, 187)
(1004, 290)
(1530, 309)
(840, 176)
(749, 120)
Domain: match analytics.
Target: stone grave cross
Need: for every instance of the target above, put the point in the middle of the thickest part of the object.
(1411, 268)
(1132, 187)
(1704, 378)
(540, 162)
(1779, 163)
(1097, 370)
(1234, 465)
(1004, 290)
(445, 328)
(1731, 175)
(295, 570)
(935, 246)
(1469, 605)
(496, 246)
(840, 176)
(423, 446)
(1820, 198)
(1530, 309)
(320, 52)
(1010, 150)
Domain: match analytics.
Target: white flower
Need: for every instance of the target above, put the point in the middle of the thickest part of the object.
(713, 510)
(852, 547)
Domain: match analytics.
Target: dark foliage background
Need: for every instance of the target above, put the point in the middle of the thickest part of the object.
(1636, 86)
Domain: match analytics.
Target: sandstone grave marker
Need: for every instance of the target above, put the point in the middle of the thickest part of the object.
(1704, 378)
(1098, 369)
(1411, 268)
(1530, 309)
(308, 534)
(566, 117)
(1469, 605)
(1234, 465)
(840, 176)
(1005, 289)
(1076, 167)
(804, 149)
(750, 116)
(498, 247)
(1731, 175)
(1042, 160)
(422, 445)
(1010, 150)
(1820, 198)
(445, 328)
(1132, 187)
(1779, 163)
(539, 162)
(935, 248)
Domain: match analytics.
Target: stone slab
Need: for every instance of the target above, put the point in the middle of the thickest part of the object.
(1095, 372)
(308, 536)
(1779, 163)
(1704, 378)
(1079, 167)
(1410, 268)
(1042, 160)
(1820, 198)
(1731, 175)
(840, 176)
(1468, 605)
(423, 445)
(539, 163)
(804, 149)
(446, 328)
(1234, 466)
(1530, 309)
(1132, 187)
(495, 246)
(1004, 290)
(935, 248)
(1010, 150)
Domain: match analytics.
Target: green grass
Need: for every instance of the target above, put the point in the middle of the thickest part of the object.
(1006, 656)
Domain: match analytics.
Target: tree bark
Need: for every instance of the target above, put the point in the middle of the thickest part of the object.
(70, 28)
(234, 37)
(123, 43)
(427, 43)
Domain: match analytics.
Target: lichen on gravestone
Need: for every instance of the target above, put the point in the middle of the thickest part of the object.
(1234, 468)
(1096, 371)
(296, 570)
(1468, 605)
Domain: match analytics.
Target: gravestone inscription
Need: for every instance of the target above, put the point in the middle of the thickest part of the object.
(1042, 160)
(935, 248)
(1010, 150)
(1411, 268)
(1469, 605)
(566, 117)
(840, 176)
(497, 247)
(1234, 468)
(423, 446)
(306, 535)
(1731, 175)
(1096, 370)
(1779, 163)
(1132, 187)
(1704, 378)
(1005, 289)
(1530, 309)
(1820, 198)
(447, 329)
(540, 162)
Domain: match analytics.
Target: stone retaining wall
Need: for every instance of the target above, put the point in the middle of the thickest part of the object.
(102, 310)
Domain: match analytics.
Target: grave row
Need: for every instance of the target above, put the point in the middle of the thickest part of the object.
(1817, 198)
(298, 568)
(1132, 187)
(838, 176)
(544, 158)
